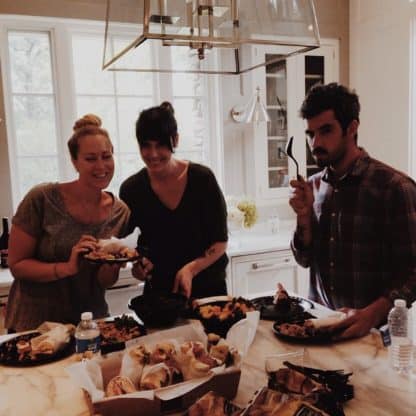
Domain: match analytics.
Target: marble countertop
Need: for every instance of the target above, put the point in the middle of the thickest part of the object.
(47, 390)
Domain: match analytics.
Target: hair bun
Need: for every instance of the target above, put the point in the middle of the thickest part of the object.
(166, 105)
(87, 120)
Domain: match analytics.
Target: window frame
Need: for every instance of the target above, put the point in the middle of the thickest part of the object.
(60, 34)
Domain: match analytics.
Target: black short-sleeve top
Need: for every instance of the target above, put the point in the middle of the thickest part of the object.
(177, 236)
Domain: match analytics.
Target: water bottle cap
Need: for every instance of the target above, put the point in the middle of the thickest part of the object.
(400, 303)
(86, 316)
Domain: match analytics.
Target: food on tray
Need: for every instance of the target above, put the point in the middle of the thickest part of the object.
(291, 381)
(140, 354)
(194, 360)
(227, 311)
(51, 341)
(271, 403)
(40, 346)
(119, 329)
(112, 250)
(220, 352)
(28, 347)
(157, 376)
(168, 362)
(162, 352)
(323, 390)
(23, 346)
(212, 404)
(305, 329)
(310, 328)
(281, 298)
(133, 365)
(217, 317)
(119, 385)
(213, 338)
(282, 307)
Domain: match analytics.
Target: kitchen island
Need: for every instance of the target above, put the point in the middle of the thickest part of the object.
(47, 390)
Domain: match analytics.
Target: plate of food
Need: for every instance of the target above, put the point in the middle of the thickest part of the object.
(308, 331)
(24, 350)
(282, 307)
(219, 314)
(112, 251)
(115, 332)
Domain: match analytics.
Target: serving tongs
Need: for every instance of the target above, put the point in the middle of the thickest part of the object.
(335, 380)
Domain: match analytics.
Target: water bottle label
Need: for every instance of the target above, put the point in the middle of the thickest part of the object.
(82, 345)
(385, 335)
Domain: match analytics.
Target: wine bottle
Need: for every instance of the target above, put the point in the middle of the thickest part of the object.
(4, 243)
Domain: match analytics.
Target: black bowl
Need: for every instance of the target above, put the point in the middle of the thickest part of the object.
(158, 309)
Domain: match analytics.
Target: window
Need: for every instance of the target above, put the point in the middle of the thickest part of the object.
(33, 105)
(53, 76)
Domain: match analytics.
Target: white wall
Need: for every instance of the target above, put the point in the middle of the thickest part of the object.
(380, 61)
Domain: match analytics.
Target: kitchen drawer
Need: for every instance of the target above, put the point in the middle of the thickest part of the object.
(255, 275)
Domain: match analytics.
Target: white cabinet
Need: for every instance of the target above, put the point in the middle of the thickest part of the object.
(283, 86)
(257, 274)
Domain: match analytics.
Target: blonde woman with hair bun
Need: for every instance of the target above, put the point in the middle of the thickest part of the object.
(54, 226)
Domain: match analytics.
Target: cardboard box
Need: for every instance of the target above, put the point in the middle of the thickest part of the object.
(127, 406)
(94, 375)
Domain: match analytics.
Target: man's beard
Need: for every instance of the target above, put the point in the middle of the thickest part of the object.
(329, 161)
(332, 160)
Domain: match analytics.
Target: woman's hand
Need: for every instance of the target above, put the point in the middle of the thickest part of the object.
(183, 281)
(85, 244)
(142, 268)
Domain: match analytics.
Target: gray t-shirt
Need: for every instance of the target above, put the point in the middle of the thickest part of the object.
(43, 215)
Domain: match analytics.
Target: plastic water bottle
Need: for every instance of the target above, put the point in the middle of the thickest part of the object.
(87, 334)
(401, 349)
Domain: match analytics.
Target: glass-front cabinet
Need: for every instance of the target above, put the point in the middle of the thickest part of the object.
(283, 86)
(276, 105)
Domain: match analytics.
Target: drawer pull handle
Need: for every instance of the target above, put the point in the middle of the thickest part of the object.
(258, 266)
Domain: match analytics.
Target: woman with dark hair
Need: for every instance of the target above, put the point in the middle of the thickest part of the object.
(55, 224)
(180, 211)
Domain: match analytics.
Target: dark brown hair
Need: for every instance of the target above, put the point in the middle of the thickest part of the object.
(157, 123)
(333, 96)
(90, 124)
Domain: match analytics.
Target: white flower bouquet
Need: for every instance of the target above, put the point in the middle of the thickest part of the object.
(242, 213)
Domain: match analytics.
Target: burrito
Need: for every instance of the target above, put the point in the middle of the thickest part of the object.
(133, 363)
(51, 341)
(119, 385)
(156, 376)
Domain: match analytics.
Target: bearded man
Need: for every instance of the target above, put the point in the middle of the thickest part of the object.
(356, 219)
